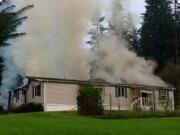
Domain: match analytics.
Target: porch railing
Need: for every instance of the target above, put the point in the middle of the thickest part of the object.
(142, 103)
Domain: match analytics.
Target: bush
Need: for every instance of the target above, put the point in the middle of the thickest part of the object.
(1, 110)
(89, 101)
(30, 107)
(139, 114)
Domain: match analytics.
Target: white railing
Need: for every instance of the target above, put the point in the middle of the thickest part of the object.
(136, 104)
(142, 103)
(147, 101)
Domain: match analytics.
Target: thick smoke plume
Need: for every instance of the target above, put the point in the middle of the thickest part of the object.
(114, 61)
(53, 46)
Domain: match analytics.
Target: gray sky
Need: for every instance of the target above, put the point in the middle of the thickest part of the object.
(135, 7)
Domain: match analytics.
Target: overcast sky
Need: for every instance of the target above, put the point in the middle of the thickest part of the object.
(136, 7)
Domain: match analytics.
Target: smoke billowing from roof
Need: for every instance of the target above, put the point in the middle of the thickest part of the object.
(53, 46)
(114, 61)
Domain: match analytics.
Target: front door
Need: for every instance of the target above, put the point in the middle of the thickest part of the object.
(146, 94)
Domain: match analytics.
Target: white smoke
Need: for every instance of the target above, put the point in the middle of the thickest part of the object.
(121, 65)
(114, 61)
(53, 46)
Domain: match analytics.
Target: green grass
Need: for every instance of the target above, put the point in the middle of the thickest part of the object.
(71, 124)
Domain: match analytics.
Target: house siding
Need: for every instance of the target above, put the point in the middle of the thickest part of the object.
(30, 98)
(20, 101)
(114, 103)
(158, 105)
(61, 97)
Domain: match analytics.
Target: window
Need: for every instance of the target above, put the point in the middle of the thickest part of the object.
(100, 89)
(163, 95)
(102, 93)
(23, 92)
(16, 93)
(121, 91)
(36, 91)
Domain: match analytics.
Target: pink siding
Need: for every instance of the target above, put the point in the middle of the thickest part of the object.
(121, 103)
(30, 98)
(63, 97)
(59, 93)
(20, 101)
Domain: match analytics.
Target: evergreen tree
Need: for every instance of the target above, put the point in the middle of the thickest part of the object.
(177, 20)
(9, 21)
(132, 36)
(158, 32)
(98, 29)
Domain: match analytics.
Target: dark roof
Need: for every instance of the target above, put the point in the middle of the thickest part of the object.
(21, 88)
(97, 82)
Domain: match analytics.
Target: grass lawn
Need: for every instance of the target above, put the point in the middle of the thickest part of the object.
(71, 124)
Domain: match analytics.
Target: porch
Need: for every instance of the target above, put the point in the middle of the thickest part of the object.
(143, 100)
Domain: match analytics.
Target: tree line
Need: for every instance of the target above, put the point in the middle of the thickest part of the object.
(157, 39)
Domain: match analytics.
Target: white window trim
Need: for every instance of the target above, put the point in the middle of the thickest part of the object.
(163, 95)
(119, 92)
(34, 89)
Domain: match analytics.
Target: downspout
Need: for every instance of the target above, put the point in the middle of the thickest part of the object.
(25, 96)
(9, 100)
(173, 100)
(45, 96)
(154, 100)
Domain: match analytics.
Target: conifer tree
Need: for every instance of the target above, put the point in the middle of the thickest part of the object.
(9, 21)
(158, 32)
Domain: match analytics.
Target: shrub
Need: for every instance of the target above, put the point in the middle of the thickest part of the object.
(1, 110)
(139, 114)
(89, 101)
(30, 107)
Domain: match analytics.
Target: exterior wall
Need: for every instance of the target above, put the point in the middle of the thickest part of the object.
(20, 101)
(60, 97)
(159, 106)
(156, 99)
(29, 93)
(171, 97)
(121, 103)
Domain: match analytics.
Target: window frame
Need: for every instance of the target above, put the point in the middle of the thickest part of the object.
(17, 96)
(121, 91)
(36, 91)
(163, 97)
